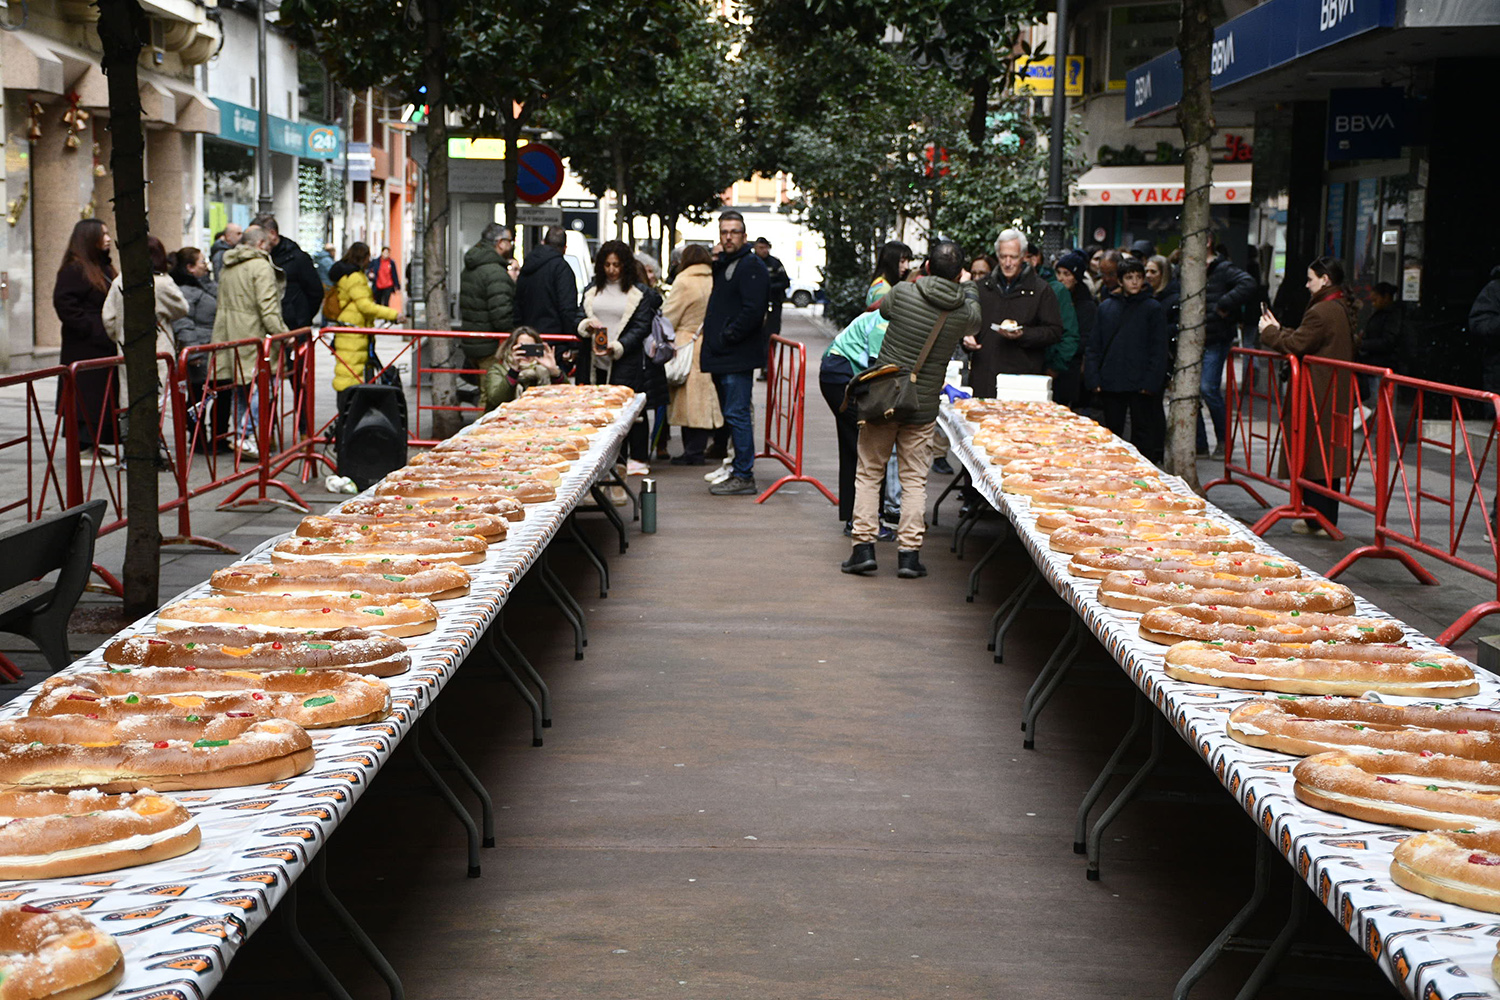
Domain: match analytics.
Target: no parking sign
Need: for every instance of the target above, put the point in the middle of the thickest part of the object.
(539, 173)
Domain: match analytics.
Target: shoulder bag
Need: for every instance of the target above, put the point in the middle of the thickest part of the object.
(887, 392)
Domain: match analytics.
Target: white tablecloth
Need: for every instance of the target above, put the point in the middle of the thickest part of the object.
(1430, 950)
(180, 921)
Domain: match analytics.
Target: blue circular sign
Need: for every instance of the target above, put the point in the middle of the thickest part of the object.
(539, 173)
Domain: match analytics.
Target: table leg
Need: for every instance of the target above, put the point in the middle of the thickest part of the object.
(486, 805)
(1111, 768)
(288, 911)
(1035, 701)
(1096, 835)
(539, 720)
(361, 940)
(470, 829)
(592, 554)
(1022, 594)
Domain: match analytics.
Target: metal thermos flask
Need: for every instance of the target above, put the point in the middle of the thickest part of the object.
(648, 506)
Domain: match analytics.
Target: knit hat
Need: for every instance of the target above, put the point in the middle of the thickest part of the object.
(1075, 262)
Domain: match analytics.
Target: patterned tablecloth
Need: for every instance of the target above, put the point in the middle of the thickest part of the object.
(1428, 949)
(180, 921)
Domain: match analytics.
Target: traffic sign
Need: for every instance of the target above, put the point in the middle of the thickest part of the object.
(538, 215)
(539, 173)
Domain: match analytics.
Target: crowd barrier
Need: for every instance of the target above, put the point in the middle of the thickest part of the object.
(786, 405)
(1435, 482)
(427, 355)
(1259, 421)
(1462, 485)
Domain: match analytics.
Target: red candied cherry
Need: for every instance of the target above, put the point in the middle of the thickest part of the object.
(160, 745)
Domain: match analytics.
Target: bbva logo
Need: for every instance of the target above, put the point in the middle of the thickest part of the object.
(1142, 89)
(1363, 123)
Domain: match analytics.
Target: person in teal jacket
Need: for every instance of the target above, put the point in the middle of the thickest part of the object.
(1064, 358)
(851, 352)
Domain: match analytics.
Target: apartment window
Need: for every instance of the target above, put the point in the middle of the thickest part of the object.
(312, 87)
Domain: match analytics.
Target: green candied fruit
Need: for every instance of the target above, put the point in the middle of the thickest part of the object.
(355, 596)
(393, 578)
(275, 574)
(300, 670)
(194, 718)
(318, 645)
(1295, 614)
(119, 670)
(374, 611)
(1432, 788)
(132, 699)
(190, 645)
(1428, 664)
(200, 744)
(326, 699)
(1287, 697)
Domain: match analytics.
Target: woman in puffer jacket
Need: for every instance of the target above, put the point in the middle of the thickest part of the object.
(357, 308)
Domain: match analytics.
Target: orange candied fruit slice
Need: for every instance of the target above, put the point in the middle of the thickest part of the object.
(151, 805)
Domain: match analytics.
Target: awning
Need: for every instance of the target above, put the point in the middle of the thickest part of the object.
(1157, 185)
(44, 66)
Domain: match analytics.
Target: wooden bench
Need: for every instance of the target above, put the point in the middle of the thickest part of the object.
(32, 607)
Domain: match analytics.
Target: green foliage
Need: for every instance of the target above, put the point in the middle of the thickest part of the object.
(855, 98)
(661, 130)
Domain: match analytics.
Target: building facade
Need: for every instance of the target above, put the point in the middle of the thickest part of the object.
(57, 146)
(1368, 149)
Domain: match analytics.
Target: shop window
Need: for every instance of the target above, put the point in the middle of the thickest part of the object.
(228, 184)
(312, 87)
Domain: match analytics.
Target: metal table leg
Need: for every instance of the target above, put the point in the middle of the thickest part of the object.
(984, 561)
(538, 718)
(1010, 618)
(1212, 953)
(570, 608)
(514, 654)
(592, 554)
(1096, 835)
(1111, 768)
(486, 805)
(607, 508)
(415, 738)
(1005, 605)
(959, 482)
(1282, 943)
(1036, 700)
(288, 911)
(357, 933)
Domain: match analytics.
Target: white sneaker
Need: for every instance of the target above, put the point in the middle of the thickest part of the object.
(102, 458)
(634, 468)
(245, 445)
(721, 473)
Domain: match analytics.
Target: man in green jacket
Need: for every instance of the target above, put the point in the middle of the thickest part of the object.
(250, 291)
(935, 306)
(487, 295)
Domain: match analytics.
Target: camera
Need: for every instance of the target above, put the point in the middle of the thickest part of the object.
(530, 350)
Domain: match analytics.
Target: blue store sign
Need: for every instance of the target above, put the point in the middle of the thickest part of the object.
(1262, 38)
(241, 125)
(1366, 123)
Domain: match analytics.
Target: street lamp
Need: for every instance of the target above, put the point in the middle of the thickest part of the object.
(263, 145)
(1055, 206)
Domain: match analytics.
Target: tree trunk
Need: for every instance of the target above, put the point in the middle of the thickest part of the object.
(122, 24)
(978, 115)
(445, 422)
(1195, 118)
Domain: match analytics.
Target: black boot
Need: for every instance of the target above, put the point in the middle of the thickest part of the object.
(861, 559)
(908, 566)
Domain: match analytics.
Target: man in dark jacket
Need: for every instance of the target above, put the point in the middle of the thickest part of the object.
(1484, 323)
(734, 344)
(304, 289)
(935, 306)
(486, 295)
(780, 282)
(1229, 291)
(1019, 319)
(1126, 361)
(547, 297)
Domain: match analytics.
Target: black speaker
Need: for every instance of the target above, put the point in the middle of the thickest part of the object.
(371, 436)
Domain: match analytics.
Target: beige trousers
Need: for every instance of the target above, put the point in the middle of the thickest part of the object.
(913, 444)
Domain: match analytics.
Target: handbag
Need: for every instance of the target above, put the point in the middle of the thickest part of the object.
(681, 365)
(887, 392)
(661, 343)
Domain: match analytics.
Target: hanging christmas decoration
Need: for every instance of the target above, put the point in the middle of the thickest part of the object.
(99, 169)
(76, 119)
(34, 121)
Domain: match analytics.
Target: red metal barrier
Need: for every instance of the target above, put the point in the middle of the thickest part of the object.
(1260, 419)
(786, 403)
(50, 478)
(428, 355)
(1463, 487)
